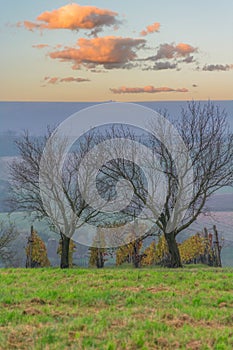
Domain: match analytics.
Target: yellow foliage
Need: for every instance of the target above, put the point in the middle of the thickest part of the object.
(190, 249)
(149, 255)
(194, 247)
(36, 251)
(97, 254)
(125, 253)
(161, 249)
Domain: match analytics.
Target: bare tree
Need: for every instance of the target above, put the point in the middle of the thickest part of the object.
(201, 165)
(122, 182)
(59, 199)
(8, 234)
(209, 142)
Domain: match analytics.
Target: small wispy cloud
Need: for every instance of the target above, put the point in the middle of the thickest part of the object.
(99, 71)
(217, 67)
(40, 46)
(163, 66)
(53, 80)
(151, 29)
(56, 80)
(146, 89)
(188, 59)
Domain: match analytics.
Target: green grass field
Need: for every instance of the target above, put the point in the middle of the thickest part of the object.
(116, 309)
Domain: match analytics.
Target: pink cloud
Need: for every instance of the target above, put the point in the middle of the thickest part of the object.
(110, 52)
(56, 80)
(40, 46)
(53, 80)
(146, 89)
(151, 29)
(73, 17)
(169, 51)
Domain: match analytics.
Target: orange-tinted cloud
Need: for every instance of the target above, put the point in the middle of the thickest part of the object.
(151, 29)
(110, 52)
(146, 89)
(40, 46)
(170, 56)
(169, 51)
(53, 80)
(217, 67)
(29, 25)
(184, 49)
(56, 80)
(74, 17)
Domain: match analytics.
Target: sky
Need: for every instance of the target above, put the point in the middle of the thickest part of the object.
(151, 50)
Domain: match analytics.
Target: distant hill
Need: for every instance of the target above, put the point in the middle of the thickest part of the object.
(220, 202)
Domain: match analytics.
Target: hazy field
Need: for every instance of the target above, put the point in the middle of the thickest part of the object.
(116, 309)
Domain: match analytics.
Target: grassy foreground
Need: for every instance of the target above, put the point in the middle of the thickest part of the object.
(116, 309)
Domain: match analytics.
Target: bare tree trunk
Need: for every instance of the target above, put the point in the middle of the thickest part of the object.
(136, 257)
(65, 245)
(217, 248)
(174, 259)
(100, 260)
(29, 256)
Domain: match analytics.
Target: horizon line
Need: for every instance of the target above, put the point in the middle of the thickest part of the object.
(109, 101)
